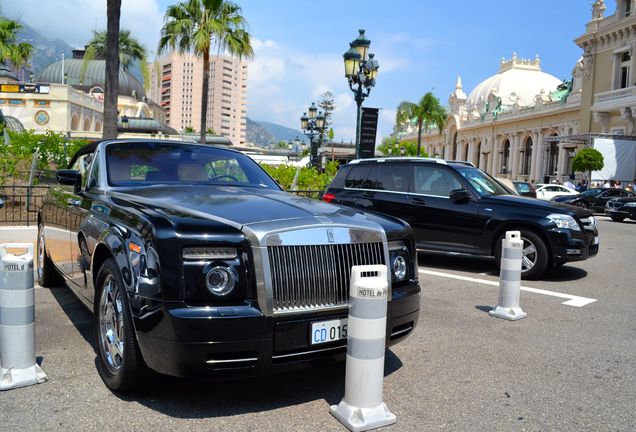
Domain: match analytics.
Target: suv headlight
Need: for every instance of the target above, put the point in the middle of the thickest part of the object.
(564, 221)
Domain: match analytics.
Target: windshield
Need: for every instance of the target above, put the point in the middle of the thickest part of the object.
(147, 163)
(591, 192)
(484, 184)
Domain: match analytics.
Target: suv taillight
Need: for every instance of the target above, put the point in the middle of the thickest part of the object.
(328, 197)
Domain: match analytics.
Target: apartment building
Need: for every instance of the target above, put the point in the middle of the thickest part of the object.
(176, 84)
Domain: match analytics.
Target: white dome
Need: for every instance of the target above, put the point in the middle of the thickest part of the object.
(518, 80)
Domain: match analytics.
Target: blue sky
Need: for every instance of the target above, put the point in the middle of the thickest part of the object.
(420, 45)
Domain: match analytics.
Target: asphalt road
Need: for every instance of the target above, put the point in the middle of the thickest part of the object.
(563, 368)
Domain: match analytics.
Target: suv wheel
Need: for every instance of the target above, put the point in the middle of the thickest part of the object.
(534, 260)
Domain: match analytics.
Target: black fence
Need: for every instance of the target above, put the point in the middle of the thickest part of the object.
(21, 203)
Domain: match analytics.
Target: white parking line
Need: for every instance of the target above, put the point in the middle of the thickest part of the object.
(572, 300)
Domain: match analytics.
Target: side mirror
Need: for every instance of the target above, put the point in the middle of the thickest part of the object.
(69, 177)
(459, 196)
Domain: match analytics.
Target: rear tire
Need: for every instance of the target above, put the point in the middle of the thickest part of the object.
(617, 218)
(47, 273)
(580, 204)
(535, 258)
(120, 364)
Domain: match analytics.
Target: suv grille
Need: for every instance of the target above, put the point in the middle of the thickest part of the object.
(317, 277)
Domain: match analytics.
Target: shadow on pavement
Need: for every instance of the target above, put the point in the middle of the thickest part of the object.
(484, 308)
(487, 266)
(182, 398)
(77, 313)
(467, 263)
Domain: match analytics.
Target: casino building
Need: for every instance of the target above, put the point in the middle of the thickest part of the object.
(525, 124)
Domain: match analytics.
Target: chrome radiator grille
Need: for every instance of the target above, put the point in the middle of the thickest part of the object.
(317, 277)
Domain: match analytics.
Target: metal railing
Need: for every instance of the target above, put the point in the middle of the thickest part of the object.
(21, 203)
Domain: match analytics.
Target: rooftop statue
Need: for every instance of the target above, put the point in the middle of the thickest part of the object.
(598, 9)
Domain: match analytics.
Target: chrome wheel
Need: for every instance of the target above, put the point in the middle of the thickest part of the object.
(580, 204)
(111, 325)
(529, 255)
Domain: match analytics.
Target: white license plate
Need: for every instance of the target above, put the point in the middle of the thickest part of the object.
(595, 240)
(328, 331)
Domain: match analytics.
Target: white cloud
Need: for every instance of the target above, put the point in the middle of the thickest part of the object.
(73, 20)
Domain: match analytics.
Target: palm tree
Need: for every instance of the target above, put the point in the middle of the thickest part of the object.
(197, 26)
(428, 112)
(17, 53)
(130, 51)
(113, 12)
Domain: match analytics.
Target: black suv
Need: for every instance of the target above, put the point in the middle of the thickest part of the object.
(455, 207)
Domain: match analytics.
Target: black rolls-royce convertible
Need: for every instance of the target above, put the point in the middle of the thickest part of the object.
(196, 263)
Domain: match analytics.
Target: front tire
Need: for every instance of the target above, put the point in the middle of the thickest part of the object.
(47, 274)
(120, 364)
(535, 257)
(580, 204)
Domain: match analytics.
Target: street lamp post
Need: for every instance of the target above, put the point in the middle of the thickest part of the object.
(361, 69)
(313, 125)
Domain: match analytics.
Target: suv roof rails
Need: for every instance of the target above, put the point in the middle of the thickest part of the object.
(462, 162)
(400, 159)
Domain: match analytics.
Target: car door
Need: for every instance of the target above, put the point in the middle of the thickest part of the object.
(385, 189)
(438, 222)
(57, 218)
(79, 210)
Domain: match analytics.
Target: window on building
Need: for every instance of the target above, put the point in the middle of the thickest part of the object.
(624, 62)
(627, 7)
(526, 157)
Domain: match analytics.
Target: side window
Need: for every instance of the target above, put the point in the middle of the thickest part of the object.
(433, 180)
(82, 164)
(357, 176)
(389, 177)
(93, 175)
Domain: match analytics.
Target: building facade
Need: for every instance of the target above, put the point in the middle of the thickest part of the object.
(525, 124)
(176, 84)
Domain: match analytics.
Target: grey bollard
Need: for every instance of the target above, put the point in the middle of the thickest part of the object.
(510, 278)
(362, 407)
(17, 319)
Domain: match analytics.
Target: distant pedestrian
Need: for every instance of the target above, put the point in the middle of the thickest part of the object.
(607, 184)
(617, 185)
(568, 183)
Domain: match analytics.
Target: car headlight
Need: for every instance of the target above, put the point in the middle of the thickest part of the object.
(220, 281)
(630, 204)
(399, 266)
(399, 258)
(564, 221)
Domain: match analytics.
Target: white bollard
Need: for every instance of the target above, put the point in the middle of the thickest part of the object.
(510, 278)
(362, 407)
(17, 319)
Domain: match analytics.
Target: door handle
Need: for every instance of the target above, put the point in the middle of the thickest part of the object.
(418, 201)
(73, 202)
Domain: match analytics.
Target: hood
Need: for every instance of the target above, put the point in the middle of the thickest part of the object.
(563, 198)
(547, 206)
(242, 206)
(624, 199)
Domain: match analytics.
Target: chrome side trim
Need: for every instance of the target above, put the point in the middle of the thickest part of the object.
(243, 360)
(308, 352)
(399, 332)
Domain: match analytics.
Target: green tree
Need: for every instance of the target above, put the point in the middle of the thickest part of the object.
(197, 26)
(392, 147)
(16, 53)
(113, 12)
(130, 51)
(427, 113)
(327, 103)
(588, 160)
